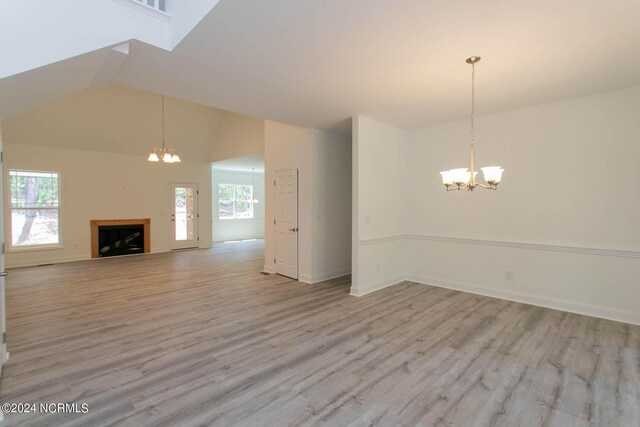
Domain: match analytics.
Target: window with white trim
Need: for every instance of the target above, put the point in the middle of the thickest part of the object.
(160, 5)
(234, 201)
(34, 201)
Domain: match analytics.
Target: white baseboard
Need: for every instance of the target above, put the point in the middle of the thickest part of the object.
(324, 277)
(376, 286)
(525, 298)
(268, 269)
(160, 250)
(75, 258)
(330, 275)
(304, 278)
(56, 260)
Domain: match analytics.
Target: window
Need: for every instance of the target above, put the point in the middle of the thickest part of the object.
(160, 5)
(35, 208)
(234, 201)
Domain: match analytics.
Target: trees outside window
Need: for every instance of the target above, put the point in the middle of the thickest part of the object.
(34, 200)
(234, 201)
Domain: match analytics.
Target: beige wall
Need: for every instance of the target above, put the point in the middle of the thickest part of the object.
(98, 139)
(108, 186)
(117, 119)
(238, 136)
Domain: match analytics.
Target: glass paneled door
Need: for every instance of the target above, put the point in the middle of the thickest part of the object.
(184, 216)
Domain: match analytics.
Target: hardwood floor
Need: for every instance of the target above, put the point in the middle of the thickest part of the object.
(201, 338)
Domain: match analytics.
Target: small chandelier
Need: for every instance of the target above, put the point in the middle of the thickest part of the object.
(455, 179)
(163, 154)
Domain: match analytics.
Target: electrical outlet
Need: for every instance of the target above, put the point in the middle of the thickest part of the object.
(378, 267)
(508, 274)
(367, 219)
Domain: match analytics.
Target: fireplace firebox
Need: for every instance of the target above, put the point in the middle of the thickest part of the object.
(116, 237)
(116, 240)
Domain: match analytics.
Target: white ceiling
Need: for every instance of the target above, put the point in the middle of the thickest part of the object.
(242, 164)
(315, 63)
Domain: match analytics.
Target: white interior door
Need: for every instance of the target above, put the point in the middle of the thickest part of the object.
(287, 223)
(184, 216)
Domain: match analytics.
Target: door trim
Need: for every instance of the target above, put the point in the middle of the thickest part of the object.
(297, 226)
(184, 244)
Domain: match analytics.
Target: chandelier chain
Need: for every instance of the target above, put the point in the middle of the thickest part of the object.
(163, 122)
(473, 98)
(163, 154)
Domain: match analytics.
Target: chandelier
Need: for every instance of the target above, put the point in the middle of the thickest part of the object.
(163, 154)
(456, 179)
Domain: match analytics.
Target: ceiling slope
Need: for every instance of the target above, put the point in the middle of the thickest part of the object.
(316, 63)
(57, 48)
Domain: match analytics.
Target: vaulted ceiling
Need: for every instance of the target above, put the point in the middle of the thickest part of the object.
(316, 63)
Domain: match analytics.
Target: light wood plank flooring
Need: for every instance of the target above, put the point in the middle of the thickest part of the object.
(201, 338)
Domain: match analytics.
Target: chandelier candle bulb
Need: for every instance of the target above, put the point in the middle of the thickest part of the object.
(463, 177)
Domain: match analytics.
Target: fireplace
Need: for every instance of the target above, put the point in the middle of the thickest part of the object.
(114, 237)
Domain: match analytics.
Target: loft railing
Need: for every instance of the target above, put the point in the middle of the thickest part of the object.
(159, 5)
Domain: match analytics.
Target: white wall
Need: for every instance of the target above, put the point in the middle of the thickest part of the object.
(238, 229)
(288, 147)
(99, 139)
(563, 222)
(379, 207)
(331, 205)
(324, 177)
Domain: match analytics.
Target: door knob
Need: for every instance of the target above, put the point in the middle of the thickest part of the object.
(293, 229)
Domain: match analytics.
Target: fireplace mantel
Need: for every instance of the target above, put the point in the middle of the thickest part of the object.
(95, 223)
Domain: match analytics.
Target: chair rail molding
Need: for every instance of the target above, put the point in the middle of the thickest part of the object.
(624, 252)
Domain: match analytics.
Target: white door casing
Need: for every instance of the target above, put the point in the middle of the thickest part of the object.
(184, 216)
(286, 223)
